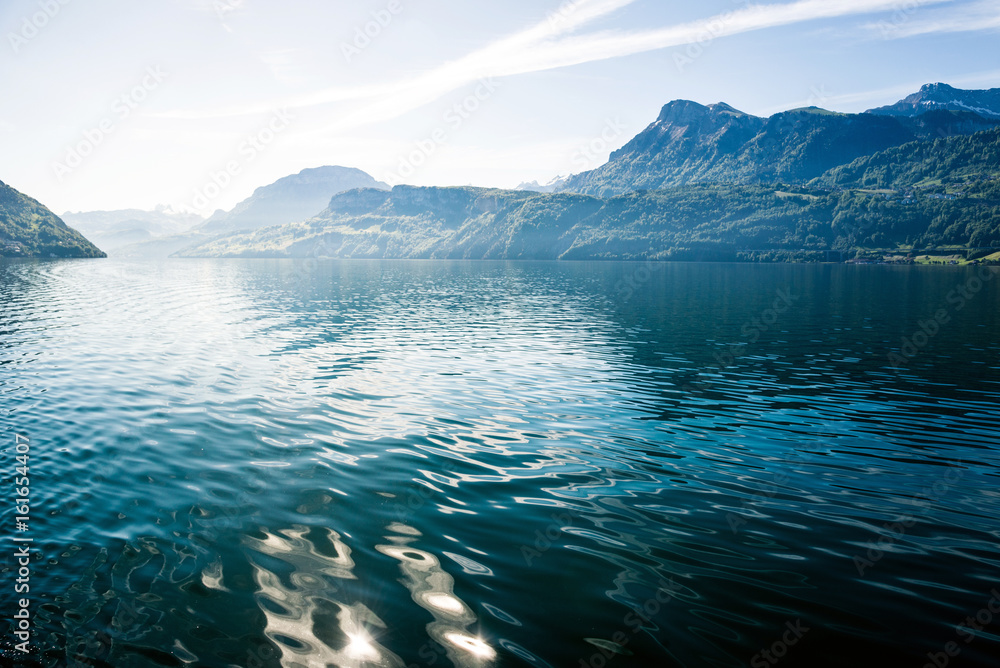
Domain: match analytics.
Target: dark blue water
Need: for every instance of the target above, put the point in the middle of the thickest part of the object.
(309, 464)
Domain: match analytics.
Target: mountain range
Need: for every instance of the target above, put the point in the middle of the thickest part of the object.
(691, 143)
(697, 222)
(699, 182)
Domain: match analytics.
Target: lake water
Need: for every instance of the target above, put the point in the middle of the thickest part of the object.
(286, 463)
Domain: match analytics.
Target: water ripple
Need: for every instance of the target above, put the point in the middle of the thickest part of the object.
(391, 463)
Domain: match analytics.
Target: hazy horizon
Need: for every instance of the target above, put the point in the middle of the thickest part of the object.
(234, 93)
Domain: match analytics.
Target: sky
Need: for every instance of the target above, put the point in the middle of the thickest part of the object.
(192, 104)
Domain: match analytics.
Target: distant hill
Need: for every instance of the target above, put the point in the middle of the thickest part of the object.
(289, 199)
(938, 96)
(112, 230)
(691, 143)
(28, 229)
(702, 222)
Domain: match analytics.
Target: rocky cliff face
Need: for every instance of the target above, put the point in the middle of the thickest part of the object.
(692, 143)
(681, 146)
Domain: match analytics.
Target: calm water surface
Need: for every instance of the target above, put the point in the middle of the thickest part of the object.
(502, 464)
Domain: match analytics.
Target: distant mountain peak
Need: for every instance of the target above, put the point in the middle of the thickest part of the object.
(290, 199)
(684, 111)
(549, 187)
(942, 97)
(939, 86)
(680, 111)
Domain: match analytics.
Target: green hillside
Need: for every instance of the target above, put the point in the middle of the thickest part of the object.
(28, 229)
(945, 161)
(716, 222)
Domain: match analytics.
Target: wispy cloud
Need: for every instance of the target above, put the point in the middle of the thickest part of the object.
(605, 45)
(553, 43)
(541, 48)
(485, 62)
(962, 17)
